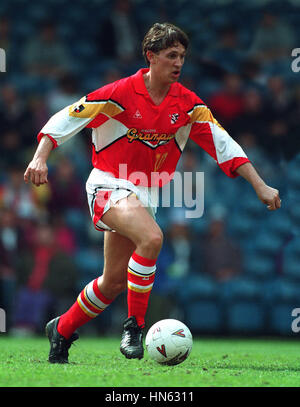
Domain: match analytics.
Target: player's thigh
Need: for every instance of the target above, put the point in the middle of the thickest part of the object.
(130, 219)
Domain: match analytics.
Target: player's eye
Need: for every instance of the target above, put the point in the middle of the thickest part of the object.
(175, 55)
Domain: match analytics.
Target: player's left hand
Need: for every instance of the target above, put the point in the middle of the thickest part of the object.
(269, 196)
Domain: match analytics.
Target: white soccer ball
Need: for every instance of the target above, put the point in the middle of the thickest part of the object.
(169, 342)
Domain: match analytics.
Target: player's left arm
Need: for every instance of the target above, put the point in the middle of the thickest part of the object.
(267, 195)
(214, 139)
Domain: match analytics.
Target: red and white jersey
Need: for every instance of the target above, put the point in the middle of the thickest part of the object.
(135, 139)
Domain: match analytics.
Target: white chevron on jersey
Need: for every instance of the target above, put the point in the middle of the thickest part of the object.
(182, 135)
(226, 147)
(108, 133)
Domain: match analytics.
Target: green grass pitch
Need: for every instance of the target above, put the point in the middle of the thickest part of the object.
(97, 362)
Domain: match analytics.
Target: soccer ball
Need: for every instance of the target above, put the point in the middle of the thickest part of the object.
(169, 342)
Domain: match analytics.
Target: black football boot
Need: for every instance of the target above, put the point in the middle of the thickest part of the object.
(132, 340)
(59, 345)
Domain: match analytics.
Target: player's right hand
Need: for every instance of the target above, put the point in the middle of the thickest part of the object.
(269, 196)
(36, 172)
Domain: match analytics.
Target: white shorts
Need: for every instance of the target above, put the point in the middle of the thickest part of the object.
(104, 190)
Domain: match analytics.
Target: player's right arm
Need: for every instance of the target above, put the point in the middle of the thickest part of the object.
(37, 170)
(65, 124)
(59, 128)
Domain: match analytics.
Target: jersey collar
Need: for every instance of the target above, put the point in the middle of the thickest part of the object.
(140, 87)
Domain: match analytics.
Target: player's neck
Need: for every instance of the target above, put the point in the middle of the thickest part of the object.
(156, 88)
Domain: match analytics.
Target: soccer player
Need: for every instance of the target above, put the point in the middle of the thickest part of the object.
(140, 125)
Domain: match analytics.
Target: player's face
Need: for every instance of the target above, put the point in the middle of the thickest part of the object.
(167, 63)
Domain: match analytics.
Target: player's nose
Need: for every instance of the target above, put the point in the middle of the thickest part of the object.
(179, 62)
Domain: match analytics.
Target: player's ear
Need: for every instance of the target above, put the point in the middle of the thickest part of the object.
(151, 56)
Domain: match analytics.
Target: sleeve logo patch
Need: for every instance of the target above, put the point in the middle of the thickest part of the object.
(78, 108)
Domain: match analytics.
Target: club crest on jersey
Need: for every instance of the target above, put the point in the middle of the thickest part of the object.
(174, 117)
(180, 332)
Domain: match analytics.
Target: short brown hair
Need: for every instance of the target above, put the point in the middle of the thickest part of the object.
(163, 36)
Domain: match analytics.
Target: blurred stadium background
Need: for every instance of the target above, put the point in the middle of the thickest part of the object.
(236, 270)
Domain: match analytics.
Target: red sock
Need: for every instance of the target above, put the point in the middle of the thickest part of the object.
(90, 303)
(141, 274)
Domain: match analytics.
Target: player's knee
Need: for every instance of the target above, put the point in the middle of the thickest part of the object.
(157, 240)
(153, 242)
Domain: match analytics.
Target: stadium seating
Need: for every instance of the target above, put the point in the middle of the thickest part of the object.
(294, 211)
(241, 288)
(199, 302)
(281, 289)
(89, 263)
(252, 207)
(241, 300)
(267, 244)
(204, 316)
(259, 265)
(280, 321)
(291, 259)
(294, 175)
(246, 317)
(77, 221)
(198, 287)
(281, 296)
(240, 225)
(279, 225)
